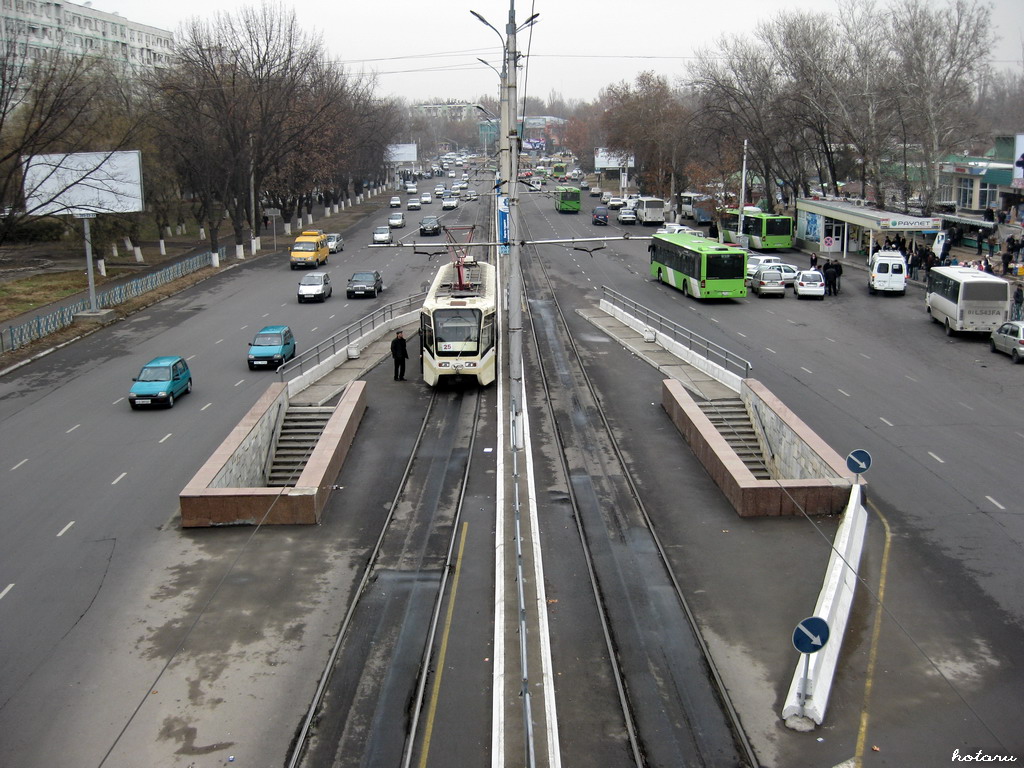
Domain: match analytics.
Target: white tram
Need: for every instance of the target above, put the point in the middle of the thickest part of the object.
(457, 324)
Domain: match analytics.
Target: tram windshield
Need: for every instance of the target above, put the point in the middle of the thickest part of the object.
(457, 331)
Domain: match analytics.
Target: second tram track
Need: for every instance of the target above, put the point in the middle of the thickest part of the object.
(630, 691)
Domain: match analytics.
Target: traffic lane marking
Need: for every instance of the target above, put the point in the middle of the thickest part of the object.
(119, 478)
(68, 432)
(941, 461)
(996, 503)
(18, 464)
(7, 589)
(65, 529)
(885, 421)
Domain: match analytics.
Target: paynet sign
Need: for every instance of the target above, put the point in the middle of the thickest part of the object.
(911, 223)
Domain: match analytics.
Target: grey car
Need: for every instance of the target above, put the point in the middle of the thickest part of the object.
(768, 281)
(1009, 338)
(364, 284)
(315, 286)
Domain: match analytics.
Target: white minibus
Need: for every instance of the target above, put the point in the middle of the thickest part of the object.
(964, 299)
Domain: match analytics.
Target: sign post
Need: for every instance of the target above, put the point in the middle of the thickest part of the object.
(810, 636)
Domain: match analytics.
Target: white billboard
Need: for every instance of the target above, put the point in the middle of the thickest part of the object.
(603, 158)
(400, 153)
(83, 183)
(1018, 163)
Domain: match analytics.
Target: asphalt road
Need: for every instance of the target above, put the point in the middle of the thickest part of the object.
(120, 632)
(103, 595)
(942, 422)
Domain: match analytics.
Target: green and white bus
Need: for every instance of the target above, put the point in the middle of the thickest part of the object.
(700, 267)
(559, 170)
(765, 231)
(567, 199)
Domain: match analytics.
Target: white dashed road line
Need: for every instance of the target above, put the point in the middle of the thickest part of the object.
(941, 461)
(65, 529)
(995, 502)
(165, 437)
(205, 406)
(771, 350)
(18, 464)
(806, 369)
(68, 432)
(119, 478)
(885, 421)
(841, 392)
(239, 382)
(7, 589)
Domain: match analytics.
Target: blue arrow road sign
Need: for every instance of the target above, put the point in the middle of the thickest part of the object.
(810, 635)
(858, 461)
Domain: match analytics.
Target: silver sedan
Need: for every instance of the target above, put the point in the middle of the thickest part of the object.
(1009, 338)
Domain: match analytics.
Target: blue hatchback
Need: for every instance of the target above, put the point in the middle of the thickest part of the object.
(272, 347)
(160, 381)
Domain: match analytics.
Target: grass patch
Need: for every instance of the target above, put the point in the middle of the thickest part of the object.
(38, 291)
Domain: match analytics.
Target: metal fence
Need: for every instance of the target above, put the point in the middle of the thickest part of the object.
(692, 341)
(17, 336)
(340, 341)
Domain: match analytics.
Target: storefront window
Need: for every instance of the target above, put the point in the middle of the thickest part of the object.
(964, 190)
(988, 196)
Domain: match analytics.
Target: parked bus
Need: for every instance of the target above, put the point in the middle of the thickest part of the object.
(649, 210)
(765, 231)
(567, 199)
(702, 268)
(686, 201)
(964, 299)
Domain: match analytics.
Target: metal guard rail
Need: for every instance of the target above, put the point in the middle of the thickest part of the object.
(341, 340)
(692, 341)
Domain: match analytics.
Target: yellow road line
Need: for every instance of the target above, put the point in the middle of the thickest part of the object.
(862, 732)
(436, 689)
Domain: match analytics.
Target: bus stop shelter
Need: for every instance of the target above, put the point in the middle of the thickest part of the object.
(841, 227)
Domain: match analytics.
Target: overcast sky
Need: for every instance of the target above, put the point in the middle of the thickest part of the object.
(424, 49)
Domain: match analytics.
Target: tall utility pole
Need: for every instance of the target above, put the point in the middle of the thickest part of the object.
(515, 279)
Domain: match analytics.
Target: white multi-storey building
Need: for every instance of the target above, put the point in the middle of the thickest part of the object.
(46, 25)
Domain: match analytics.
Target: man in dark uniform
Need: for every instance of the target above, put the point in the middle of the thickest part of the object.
(400, 355)
(838, 268)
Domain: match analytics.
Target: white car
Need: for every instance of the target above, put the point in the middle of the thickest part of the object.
(671, 229)
(789, 272)
(757, 260)
(335, 242)
(396, 202)
(381, 235)
(413, 204)
(626, 216)
(439, 190)
(426, 198)
(396, 220)
(615, 203)
(809, 282)
(449, 203)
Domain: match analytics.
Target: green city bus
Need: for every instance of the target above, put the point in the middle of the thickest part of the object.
(559, 170)
(567, 199)
(702, 268)
(765, 231)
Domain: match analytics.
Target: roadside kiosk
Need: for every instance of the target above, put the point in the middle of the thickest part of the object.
(837, 227)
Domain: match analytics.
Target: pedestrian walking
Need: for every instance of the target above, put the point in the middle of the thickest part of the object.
(1018, 304)
(830, 279)
(400, 355)
(814, 261)
(838, 267)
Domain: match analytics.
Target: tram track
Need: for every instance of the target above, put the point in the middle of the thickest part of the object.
(672, 705)
(369, 700)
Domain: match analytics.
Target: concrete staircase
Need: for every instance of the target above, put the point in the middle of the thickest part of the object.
(731, 419)
(300, 431)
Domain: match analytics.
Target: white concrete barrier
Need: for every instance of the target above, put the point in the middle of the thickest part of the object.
(834, 603)
(698, 361)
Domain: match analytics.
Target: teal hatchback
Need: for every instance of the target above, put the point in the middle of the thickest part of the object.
(273, 347)
(160, 381)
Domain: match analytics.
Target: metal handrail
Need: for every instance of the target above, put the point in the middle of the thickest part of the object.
(692, 341)
(315, 355)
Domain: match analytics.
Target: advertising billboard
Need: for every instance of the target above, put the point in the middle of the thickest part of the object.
(400, 153)
(603, 159)
(83, 183)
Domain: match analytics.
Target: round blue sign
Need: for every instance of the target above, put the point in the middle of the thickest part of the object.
(810, 635)
(858, 461)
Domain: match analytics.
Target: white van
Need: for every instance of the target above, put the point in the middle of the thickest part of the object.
(887, 271)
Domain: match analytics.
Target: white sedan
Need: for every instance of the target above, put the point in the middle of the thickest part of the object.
(809, 282)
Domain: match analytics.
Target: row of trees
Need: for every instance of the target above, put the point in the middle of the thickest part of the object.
(875, 94)
(252, 109)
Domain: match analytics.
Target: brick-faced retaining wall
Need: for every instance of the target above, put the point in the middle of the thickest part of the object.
(749, 496)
